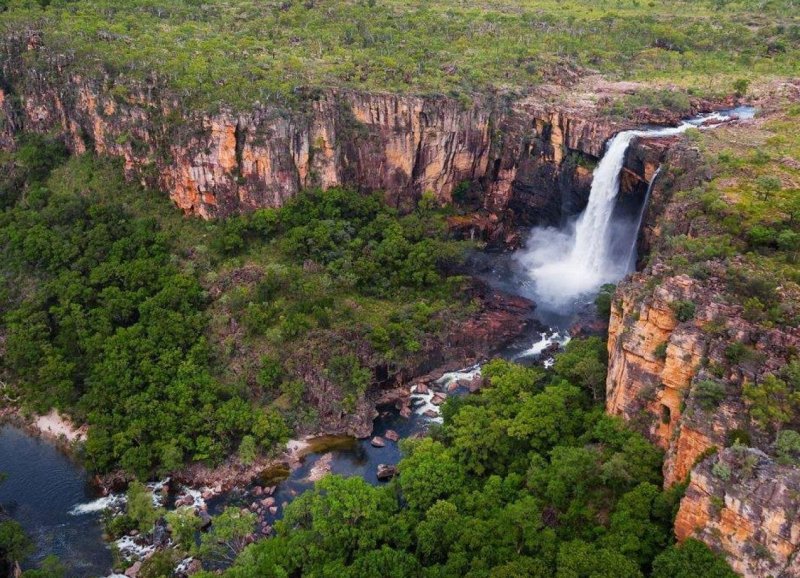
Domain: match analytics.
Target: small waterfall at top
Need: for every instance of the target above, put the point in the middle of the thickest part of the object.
(573, 262)
(642, 211)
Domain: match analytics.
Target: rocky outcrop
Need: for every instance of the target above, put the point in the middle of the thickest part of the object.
(681, 350)
(745, 504)
(532, 155)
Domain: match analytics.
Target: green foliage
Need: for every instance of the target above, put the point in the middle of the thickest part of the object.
(740, 86)
(247, 450)
(50, 567)
(160, 565)
(709, 393)
(184, 523)
(14, 543)
(787, 447)
(603, 300)
(107, 312)
(526, 478)
(216, 52)
(660, 350)
(690, 559)
(227, 536)
(722, 471)
(583, 362)
(772, 403)
(140, 507)
(684, 310)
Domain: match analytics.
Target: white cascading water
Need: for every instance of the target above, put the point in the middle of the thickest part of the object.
(573, 262)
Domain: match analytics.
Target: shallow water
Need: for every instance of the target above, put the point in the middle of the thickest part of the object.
(42, 486)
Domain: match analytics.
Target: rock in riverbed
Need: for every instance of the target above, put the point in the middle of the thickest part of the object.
(386, 472)
(378, 442)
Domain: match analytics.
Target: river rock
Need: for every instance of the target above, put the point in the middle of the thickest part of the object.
(273, 510)
(205, 519)
(431, 413)
(377, 442)
(422, 389)
(133, 571)
(475, 384)
(194, 567)
(257, 490)
(185, 500)
(386, 472)
(438, 398)
(391, 435)
(270, 490)
(267, 502)
(405, 412)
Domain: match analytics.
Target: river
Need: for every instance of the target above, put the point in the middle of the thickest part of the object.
(48, 493)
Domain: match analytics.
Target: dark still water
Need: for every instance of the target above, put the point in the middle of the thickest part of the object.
(41, 487)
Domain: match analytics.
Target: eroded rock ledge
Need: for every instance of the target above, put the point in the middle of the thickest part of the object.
(532, 155)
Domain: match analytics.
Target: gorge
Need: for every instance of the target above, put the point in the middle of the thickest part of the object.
(400, 288)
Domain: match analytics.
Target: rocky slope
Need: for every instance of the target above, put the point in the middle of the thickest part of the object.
(682, 348)
(533, 155)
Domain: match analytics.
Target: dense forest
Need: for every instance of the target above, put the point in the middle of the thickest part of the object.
(527, 478)
(107, 312)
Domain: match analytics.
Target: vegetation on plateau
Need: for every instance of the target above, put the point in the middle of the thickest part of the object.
(237, 52)
(741, 236)
(178, 340)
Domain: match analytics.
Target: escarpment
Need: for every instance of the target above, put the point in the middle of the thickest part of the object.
(684, 346)
(529, 155)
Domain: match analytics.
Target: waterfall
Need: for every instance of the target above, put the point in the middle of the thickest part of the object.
(571, 263)
(642, 211)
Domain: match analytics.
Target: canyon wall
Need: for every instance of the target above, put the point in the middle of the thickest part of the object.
(670, 337)
(527, 154)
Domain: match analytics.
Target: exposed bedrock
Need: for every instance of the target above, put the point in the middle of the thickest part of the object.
(529, 155)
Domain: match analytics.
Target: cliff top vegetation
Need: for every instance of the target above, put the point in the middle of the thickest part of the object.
(239, 52)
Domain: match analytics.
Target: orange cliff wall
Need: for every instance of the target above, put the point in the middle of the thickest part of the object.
(753, 516)
(216, 164)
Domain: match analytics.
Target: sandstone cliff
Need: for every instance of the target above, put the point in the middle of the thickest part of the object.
(746, 504)
(681, 349)
(533, 155)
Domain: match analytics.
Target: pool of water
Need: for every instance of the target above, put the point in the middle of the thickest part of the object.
(41, 487)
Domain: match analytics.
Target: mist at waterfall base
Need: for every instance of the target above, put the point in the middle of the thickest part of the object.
(568, 265)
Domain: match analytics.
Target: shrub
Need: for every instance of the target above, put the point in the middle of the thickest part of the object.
(684, 310)
(738, 437)
(661, 351)
(722, 471)
(603, 300)
(709, 393)
(787, 447)
(740, 86)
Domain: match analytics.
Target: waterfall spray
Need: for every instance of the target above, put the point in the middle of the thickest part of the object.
(573, 262)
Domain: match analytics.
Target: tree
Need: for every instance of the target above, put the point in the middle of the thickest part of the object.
(690, 559)
(248, 450)
(583, 363)
(184, 523)
(767, 186)
(15, 545)
(228, 536)
(141, 508)
(772, 403)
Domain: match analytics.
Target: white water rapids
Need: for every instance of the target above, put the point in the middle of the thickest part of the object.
(573, 262)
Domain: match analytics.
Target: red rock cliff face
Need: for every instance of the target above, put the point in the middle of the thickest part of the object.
(751, 515)
(525, 152)
(659, 353)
